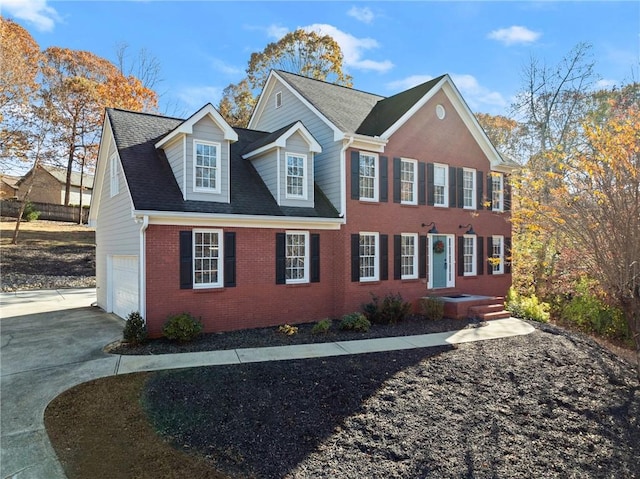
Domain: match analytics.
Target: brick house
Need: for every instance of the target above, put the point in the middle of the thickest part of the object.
(49, 185)
(330, 195)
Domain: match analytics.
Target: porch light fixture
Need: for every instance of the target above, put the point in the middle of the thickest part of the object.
(433, 229)
(469, 231)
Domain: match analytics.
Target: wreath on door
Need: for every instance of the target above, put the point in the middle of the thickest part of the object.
(438, 247)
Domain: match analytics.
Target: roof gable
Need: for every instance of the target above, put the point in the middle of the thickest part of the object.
(279, 139)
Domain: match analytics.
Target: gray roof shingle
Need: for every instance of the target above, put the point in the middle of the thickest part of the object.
(153, 186)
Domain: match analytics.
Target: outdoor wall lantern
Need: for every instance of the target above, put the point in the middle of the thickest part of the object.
(433, 229)
(469, 231)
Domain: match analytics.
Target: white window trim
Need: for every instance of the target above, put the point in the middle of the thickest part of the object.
(305, 178)
(376, 178)
(218, 168)
(114, 186)
(415, 256)
(415, 181)
(474, 187)
(474, 258)
(501, 198)
(278, 99)
(307, 257)
(445, 204)
(500, 239)
(220, 282)
(376, 260)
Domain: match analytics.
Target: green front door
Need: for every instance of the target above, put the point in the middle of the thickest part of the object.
(439, 264)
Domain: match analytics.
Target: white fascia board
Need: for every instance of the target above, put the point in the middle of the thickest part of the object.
(103, 151)
(186, 127)
(369, 143)
(178, 218)
(281, 142)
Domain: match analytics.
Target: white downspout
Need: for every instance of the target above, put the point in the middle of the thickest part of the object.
(343, 178)
(142, 269)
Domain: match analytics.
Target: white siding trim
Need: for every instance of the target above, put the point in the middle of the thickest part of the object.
(184, 168)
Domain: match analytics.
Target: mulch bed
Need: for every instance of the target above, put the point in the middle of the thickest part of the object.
(549, 404)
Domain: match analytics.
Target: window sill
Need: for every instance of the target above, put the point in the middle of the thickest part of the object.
(409, 280)
(409, 205)
(208, 289)
(369, 281)
(369, 202)
(298, 285)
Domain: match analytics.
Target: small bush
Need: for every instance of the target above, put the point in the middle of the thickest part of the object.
(321, 327)
(30, 213)
(432, 308)
(288, 330)
(182, 327)
(355, 322)
(135, 329)
(390, 310)
(527, 307)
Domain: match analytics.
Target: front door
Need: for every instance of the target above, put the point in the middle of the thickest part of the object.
(441, 261)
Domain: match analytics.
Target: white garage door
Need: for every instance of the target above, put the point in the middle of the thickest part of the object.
(124, 285)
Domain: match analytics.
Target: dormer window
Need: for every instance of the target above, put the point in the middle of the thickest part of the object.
(206, 166)
(296, 176)
(278, 99)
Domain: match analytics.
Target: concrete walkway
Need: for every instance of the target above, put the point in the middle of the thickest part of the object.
(53, 340)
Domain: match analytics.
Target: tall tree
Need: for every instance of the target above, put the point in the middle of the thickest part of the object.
(306, 53)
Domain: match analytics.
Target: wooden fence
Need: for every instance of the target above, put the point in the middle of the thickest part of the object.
(47, 211)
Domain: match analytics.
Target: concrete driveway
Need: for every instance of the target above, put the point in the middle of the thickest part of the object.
(50, 341)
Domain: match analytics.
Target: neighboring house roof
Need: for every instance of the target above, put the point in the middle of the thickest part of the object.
(60, 174)
(153, 186)
(10, 180)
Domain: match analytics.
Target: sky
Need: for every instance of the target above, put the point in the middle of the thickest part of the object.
(203, 46)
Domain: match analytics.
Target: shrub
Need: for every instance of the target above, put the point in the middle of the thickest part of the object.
(135, 329)
(182, 327)
(355, 322)
(390, 310)
(527, 307)
(321, 327)
(30, 213)
(288, 330)
(432, 308)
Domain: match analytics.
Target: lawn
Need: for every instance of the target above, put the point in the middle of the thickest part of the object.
(550, 404)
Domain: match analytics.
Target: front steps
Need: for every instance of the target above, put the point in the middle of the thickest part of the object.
(460, 306)
(488, 311)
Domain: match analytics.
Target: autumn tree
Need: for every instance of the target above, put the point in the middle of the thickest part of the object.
(303, 52)
(505, 133)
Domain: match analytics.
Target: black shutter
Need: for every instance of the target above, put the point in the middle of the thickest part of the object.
(489, 192)
(430, 192)
(355, 257)
(384, 188)
(384, 257)
(397, 256)
(460, 189)
(315, 258)
(422, 257)
(186, 260)
(479, 189)
(489, 254)
(460, 255)
(281, 258)
(452, 186)
(507, 255)
(480, 255)
(229, 259)
(397, 184)
(507, 193)
(422, 199)
(355, 175)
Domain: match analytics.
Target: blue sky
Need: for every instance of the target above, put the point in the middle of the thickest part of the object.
(388, 46)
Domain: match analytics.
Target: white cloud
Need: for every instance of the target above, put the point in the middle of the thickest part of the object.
(353, 48)
(606, 84)
(225, 68)
(514, 34)
(197, 96)
(35, 12)
(276, 31)
(364, 15)
(409, 82)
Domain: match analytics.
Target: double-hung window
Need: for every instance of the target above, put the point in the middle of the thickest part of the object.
(206, 166)
(497, 192)
(469, 188)
(497, 254)
(368, 177)
(409, 256)
(369, 257)
(440, 185)
(469, 255)
(296, 177)
(408, 183)
(207, 259)
(297, 257)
